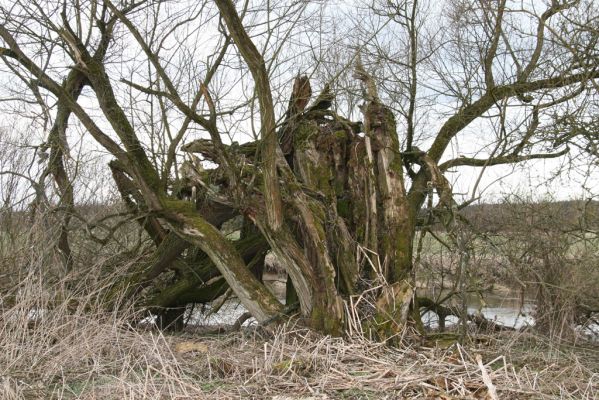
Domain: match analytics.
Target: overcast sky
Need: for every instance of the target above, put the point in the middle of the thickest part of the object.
(538, 179)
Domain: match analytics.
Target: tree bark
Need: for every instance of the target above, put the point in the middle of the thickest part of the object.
(256, 64)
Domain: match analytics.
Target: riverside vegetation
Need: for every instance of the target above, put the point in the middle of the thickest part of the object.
(157, 153)
(69, 338)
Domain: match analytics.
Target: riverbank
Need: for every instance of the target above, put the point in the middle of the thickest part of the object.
(296, 363)
(92, 357)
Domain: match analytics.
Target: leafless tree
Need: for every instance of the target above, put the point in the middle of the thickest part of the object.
(337, 201)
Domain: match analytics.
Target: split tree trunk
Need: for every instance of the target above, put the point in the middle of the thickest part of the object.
(342, 190)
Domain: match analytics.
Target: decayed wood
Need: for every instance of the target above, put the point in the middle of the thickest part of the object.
(320, 195)
(342, 190)
(206, 148)
(300, 96)
(393, 219)
(395, 249)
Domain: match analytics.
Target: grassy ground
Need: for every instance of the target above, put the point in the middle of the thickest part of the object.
(76, 350)
(57, 341)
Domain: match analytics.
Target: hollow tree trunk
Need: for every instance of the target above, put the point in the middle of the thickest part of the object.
(335, 194)
(343, 196)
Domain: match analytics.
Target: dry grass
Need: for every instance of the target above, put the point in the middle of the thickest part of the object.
(58, 341)
(299, 362)
(75, 349)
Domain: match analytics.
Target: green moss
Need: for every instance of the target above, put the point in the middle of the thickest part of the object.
(297, 365)
(319, 217)
(320, 178)
(317, 317)
(321, 320)
(304, 131)
(185, 208)
(344, 208)
(339, 186)
(441, 340)
(212, 385)
(396, 164)
(341, 134)
(333, 326)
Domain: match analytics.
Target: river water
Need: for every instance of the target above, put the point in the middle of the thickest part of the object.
(505, 307)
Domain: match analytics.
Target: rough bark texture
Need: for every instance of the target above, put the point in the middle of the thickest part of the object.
(334, 211)
(257, 67)
(343, 190)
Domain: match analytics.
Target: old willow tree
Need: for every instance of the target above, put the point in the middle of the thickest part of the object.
(208, 113)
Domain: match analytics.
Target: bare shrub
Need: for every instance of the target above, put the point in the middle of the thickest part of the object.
(553, 254)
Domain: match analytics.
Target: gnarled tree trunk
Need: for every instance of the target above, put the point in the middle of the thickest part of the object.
(343, 197)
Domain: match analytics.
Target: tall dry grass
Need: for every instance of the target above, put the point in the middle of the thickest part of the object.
(59, 339)
(74, 348)
(62, 336)
(63, 343)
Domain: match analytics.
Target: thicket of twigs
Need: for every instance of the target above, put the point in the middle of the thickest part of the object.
(59, 339)
(540, 252)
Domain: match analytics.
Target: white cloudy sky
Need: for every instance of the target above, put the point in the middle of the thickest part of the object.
(534, 178)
